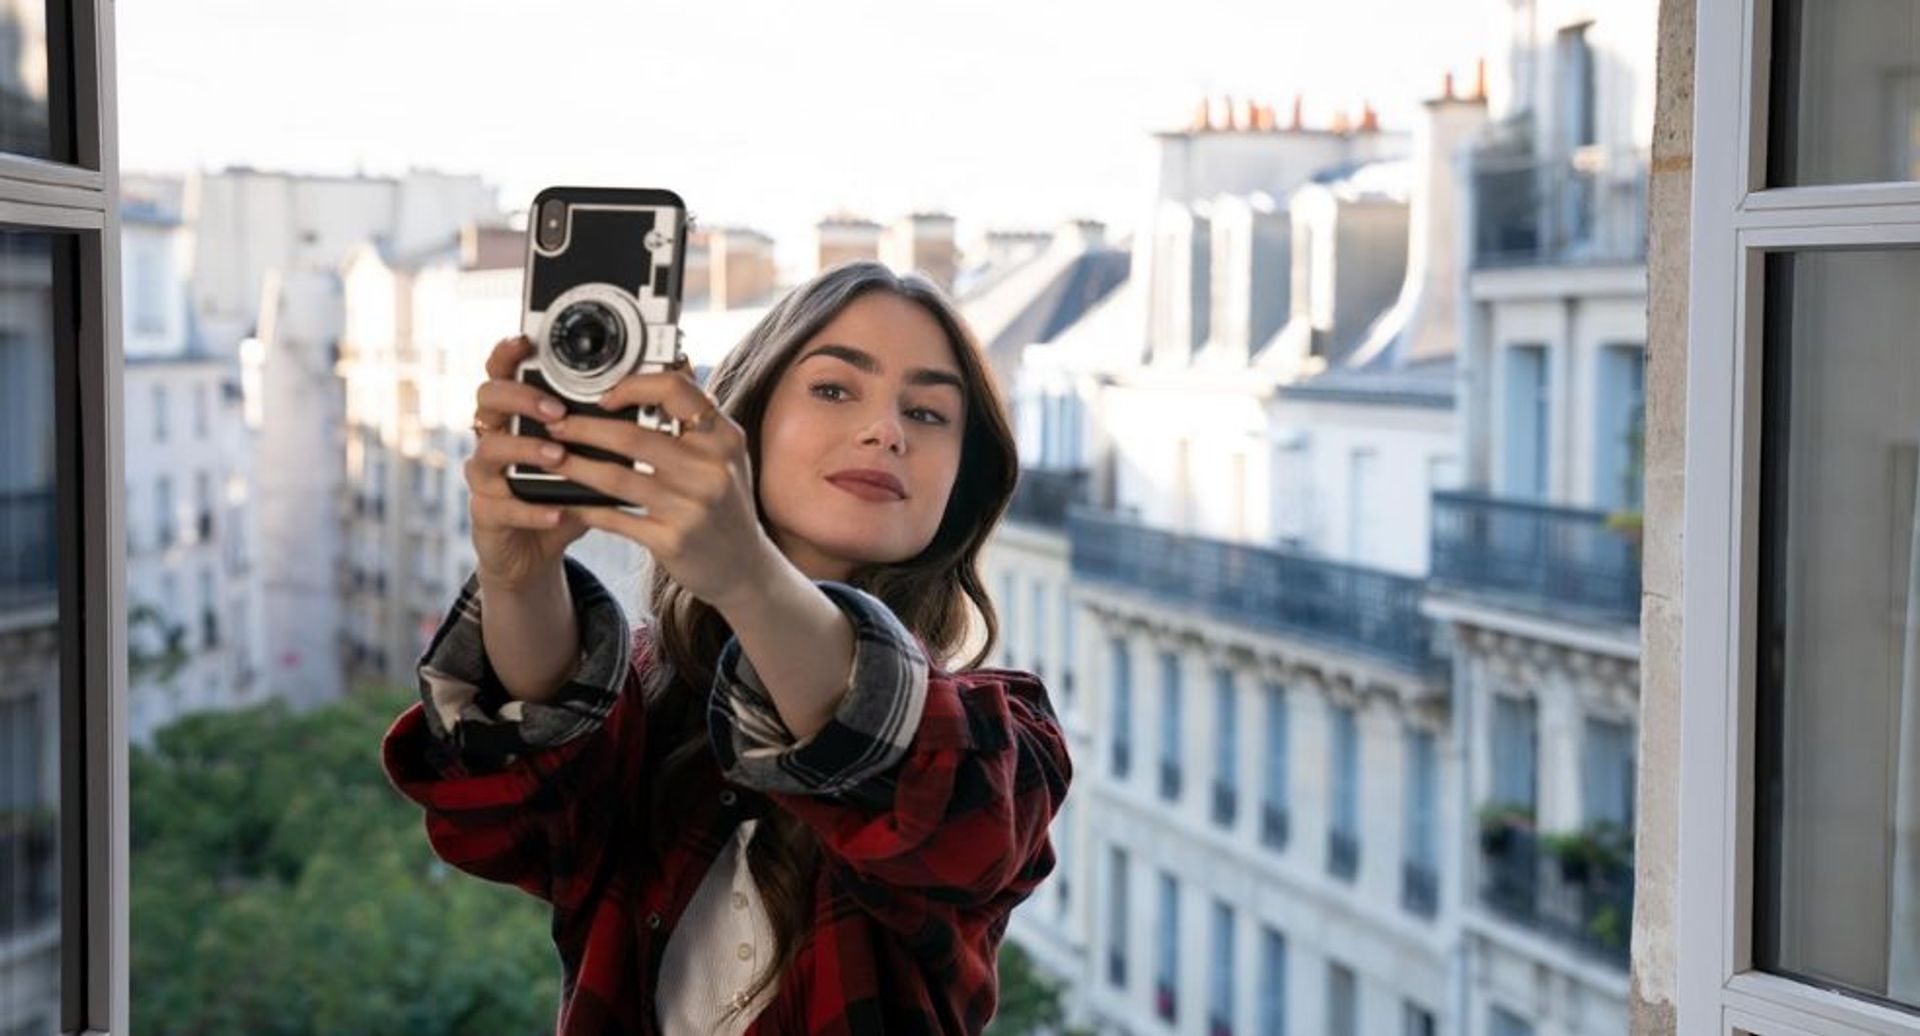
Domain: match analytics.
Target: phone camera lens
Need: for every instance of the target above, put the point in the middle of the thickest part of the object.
(588, 337)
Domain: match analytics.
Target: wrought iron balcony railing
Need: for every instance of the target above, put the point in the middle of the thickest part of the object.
(1585, 903)
(1554, 561)
(1589, 207)
(1043, 496)
(1360, 609)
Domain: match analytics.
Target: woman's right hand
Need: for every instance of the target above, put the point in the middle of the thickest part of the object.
(514, 541)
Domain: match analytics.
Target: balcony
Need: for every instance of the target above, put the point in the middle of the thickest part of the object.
(1122, 759)
(29, 882)
(1043, 496)
(1360, 609)
(1566, 887)
(1554, 561)
(1587, 208)
(28, 548)
(1343, 854)
(1116, 967)
(1165, 1004)
(1419, 889)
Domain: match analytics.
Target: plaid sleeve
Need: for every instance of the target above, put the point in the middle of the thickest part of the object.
(925, 780)
(507, 785)
(868, 732)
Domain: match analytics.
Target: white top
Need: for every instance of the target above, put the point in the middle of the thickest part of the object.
(717, 949)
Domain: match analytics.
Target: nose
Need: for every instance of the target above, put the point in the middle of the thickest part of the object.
(886, 430)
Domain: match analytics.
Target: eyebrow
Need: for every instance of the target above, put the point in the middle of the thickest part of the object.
(865, 361)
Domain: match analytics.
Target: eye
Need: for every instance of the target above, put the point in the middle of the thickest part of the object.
(934, 417)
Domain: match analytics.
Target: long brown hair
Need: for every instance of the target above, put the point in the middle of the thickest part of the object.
(928, 592)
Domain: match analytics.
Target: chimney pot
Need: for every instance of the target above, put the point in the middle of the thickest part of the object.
(1226, 104)
(1446, 86)
(1299, 109)
(1480, 80)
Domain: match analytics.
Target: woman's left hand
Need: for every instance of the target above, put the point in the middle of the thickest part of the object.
(702, 519)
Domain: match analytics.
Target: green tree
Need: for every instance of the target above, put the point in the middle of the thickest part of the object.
(1029, 1000)
(281, 887)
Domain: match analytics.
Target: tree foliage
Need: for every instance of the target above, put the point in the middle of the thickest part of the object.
(281, 887)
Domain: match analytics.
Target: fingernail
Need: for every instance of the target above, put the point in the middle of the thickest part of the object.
(552, 517)
(552, 408)
(552, 452)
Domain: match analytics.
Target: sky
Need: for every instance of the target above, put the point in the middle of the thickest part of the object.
(1008, 115)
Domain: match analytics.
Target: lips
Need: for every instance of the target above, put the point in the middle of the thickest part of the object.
(869, 479)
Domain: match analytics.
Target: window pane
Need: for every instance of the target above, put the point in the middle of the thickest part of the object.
(1846, 92)
(26, 126)
(1838, 870)
(30, 627)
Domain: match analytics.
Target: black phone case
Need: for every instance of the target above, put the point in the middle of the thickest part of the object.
(603, 248)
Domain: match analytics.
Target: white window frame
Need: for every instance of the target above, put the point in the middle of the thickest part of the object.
(1736, 223)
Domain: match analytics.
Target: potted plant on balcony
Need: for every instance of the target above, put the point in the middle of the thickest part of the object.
(1587, 854)
(1627, 522)
(1499, 821)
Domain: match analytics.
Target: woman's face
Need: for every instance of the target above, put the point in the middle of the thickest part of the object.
(877, 389)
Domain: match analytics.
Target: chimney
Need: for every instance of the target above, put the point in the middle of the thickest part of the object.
(844, 238)
(1446, 87)
(1436, 226)
(1226, 104)
(1202, 117)
(1299, 108)
(1369, 119)
(1340, 123)
(739, 267)
(922, 241)
(1480, 80)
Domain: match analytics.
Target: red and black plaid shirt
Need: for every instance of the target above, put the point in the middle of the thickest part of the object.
(931, 793)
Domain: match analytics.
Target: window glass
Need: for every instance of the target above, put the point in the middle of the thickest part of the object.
(31, 629)
(1838, 787)
(1846, 92)
(26, 124)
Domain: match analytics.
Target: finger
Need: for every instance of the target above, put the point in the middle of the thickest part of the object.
(493, 512)
(619, 481)
(673, 389)
(630, 441)
(496, 399)
(506, 356)
(495, 452)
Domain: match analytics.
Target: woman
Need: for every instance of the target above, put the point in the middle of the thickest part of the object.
(773, 810)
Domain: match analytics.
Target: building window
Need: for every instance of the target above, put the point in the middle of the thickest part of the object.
(1038, 646)
(1607, 778)
(1417, 1021)
(1166, 972)
(1575, 88)
(1514, 753)
(1008, 656)
(1420, 881)
(1226, 748)
(1620, 427)
(1067, 661)
(1063, 857)
(1274, 817)
(1170, 712)
(200, 422)
(163, 511)
(1343, 1001)
(1502, 1022)
(1117, 897)
(159, 413)
(1273, 983)
(1343, 837)
(1524, 439)
(1220, 1010)
(1122, 708)
(1837, 878)
(1363, 506)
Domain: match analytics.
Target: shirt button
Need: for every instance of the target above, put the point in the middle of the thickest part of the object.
(653, 920)
(727, 797)
(746, 951)
(739, 900)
